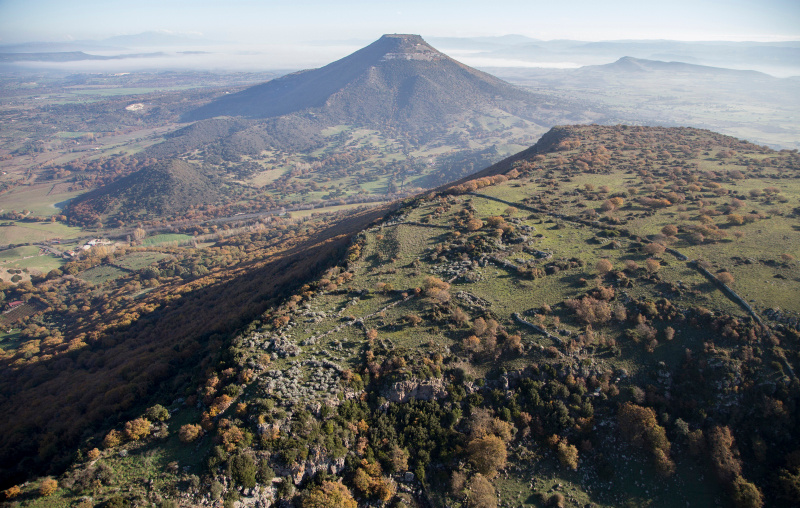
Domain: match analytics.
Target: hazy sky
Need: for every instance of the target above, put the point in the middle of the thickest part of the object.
(271, 22)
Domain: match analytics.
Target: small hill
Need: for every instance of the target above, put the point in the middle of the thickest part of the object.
(398, 80)
(165, 188)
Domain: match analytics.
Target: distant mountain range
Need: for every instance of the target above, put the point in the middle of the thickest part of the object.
(781, 58)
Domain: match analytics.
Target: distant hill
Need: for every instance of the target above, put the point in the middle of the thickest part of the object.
(399, 80)
(631, 64)
(68, 56)
(166, 188)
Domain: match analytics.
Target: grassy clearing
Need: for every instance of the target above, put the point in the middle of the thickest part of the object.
(101, 274)
(166, 238)
(138, 260)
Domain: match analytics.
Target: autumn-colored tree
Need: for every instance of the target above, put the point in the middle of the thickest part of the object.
(474, 224)
(329, 495)
(488, 454)
(369, 481)
(471, 343)
(48, 487)
(137, 429)
(189, 432)
(399, 459)
(112, 439)
(11, 492)
(724, 454)
(93, 454)
(567, 454)
(639, 425)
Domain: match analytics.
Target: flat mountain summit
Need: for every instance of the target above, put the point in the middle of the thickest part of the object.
(398, 80)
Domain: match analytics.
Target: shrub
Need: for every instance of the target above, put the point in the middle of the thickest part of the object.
(190, 432)
(653, 265)
(655, 248)
(725, 278)
(11, 492)
(48, 487)
(137, 429)
(604, 266)
(112, 439)
(157, 413)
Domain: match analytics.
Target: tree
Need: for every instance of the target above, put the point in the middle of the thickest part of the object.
(474, 224)
(488, 454)
(724, 454)
(399, 458)
(567, 454)
(639, 425)
(242, 469)
(329, 495)
(480, 493)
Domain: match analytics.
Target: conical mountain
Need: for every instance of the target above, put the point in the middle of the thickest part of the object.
(399, 80)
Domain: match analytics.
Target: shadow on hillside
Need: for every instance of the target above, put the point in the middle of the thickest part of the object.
(53, 404)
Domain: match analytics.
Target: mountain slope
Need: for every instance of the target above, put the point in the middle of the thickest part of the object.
(399, 79)
(595, 320)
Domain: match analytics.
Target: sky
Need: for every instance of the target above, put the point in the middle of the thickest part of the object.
(302, 21)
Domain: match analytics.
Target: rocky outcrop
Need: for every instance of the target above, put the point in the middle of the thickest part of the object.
(403, 391)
